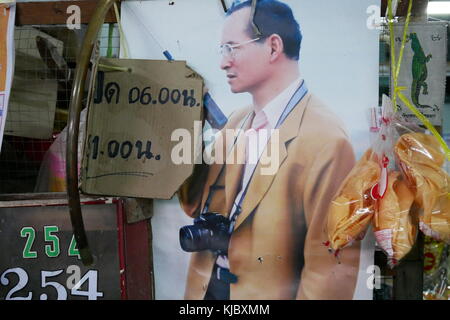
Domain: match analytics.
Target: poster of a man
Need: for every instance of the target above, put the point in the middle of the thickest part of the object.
(276, 222)
(283, 78)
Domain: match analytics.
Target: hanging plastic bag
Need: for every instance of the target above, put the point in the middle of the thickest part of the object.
(395, 219)
(410, 187)
(398, 181)
(422, 162)
(394, 224)
(352, 209)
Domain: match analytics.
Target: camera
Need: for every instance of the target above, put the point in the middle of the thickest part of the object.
(209, 232)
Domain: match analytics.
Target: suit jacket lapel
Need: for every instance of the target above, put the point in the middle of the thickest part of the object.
(259, 184)
(221, 146)
(235, 165)
(214, 172)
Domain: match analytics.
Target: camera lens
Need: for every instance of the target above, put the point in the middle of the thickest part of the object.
(194, 238)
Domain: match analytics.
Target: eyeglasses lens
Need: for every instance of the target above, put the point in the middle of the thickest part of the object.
(226, 50)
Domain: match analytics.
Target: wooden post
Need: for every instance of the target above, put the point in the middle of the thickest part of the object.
(408, 276)
(139, 261)
(55, 12)
(419, 11)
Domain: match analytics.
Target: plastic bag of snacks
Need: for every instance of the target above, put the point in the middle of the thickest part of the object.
(422, 163)
(353, 208)
(397, 185)
(394, 225)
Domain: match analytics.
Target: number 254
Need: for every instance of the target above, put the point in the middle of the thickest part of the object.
(51, 250)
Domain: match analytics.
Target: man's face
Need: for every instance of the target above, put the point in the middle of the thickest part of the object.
(248, 66)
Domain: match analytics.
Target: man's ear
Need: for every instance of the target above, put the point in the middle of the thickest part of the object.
(276, 46)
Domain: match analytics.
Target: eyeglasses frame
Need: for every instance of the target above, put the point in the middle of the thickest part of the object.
(233, 46)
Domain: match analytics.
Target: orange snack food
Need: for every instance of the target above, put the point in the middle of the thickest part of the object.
(421, 161)
(394, 225)
(353, 207)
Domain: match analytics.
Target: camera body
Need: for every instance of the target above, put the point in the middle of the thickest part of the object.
(210, 231)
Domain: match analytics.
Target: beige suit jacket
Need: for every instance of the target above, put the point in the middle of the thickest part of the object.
(277, 249)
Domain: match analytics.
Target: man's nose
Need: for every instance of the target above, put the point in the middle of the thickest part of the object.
(225, 63)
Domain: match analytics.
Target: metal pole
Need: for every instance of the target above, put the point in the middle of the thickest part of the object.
(73, 128)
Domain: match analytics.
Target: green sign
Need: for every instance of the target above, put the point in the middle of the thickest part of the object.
(39, 259)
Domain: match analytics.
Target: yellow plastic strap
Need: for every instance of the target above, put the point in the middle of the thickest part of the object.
(426, 123)
(123, 42)
(396, 64)
(395, 67)
(113, 68)
(402, 48)
(393, 64)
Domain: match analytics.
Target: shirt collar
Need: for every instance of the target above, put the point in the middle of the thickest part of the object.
(275, 107)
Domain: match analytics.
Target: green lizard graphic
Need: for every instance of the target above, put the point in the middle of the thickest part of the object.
(419, 71)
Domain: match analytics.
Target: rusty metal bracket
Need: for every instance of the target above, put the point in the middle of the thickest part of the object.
(81, 71)
(224, 6)
(252, 19)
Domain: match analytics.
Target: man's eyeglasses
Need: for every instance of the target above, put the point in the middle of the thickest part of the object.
(227, 50)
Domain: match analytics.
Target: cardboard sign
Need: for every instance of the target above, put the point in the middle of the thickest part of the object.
(423, 69)
(131, 123)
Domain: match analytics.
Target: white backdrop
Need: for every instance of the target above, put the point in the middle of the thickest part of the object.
(338, 60)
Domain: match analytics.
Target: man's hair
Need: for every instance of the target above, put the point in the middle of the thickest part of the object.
(274, 17)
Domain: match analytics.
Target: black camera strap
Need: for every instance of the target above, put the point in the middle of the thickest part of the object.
(298, 95)
(214, 186)
(301, 91)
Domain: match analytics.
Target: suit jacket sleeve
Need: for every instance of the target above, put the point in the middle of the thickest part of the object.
(323, 276)
(191, 191)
